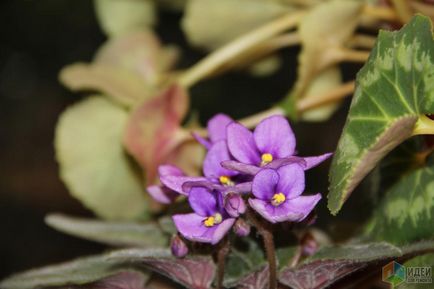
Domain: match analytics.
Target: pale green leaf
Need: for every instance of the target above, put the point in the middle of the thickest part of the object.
(111, 233)
(394, 88)
(92, 160)
(326, 80)
(324, 29)
(119, 17)
(210, 24)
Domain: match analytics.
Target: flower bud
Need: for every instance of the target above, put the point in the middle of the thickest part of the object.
(241, 228)
(178, 247)
(234, 205)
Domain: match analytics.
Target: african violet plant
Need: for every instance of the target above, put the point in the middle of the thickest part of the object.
(190, 204)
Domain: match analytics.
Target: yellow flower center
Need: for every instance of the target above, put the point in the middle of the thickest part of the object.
(213, 220)
(266, 158)
(225, 180)
(278, 199)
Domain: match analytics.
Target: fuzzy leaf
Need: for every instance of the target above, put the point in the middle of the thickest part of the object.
(122, 280)
(119, 17)
(227, 21)
(92, 161)
(334, 264)
(154, 132)
(406, 211)
(77, 272)
(240, 263)
(194, 272)
(111, 233)
(394, 88)
(255, 280)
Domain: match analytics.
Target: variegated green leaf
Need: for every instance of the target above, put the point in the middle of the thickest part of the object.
(394, 89)
(407, 210)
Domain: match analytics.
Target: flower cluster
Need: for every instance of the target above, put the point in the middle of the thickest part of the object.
(241, 168)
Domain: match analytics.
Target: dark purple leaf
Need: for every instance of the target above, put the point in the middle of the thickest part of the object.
(192, 272)
(122, 280)
(256, 280)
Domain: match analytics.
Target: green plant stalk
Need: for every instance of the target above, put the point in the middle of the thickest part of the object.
(424, 125)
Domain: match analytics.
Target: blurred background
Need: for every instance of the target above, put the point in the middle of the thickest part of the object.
(38, 38)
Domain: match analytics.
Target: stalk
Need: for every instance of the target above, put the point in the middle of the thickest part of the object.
(267, 236)
(222, 252)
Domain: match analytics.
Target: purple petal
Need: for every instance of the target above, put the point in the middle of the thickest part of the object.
(170, 170)
(187, 186)
(175, 182)
(203, 201)
(201, 140)
(264, 184)
(245, 187)
(240, 167)
(277, 163)
(191, 227)
(312, 162)
(162, 194)
(217, 127)
(291, 181)
(275, 214)
(241, 144)
(303, 205)
(211, 166)
(273, 135)
(234, 205)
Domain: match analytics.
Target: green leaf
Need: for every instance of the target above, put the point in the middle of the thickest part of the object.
(407, 210)
(118, 17)
(111, 233)
(394, 88)
(77, 272)
(228, 22)
(92, 161)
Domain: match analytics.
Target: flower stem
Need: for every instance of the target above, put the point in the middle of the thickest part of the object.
(236, 48)
(222, 252)
(267, 236)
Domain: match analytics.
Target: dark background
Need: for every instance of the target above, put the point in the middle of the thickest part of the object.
(37, 39)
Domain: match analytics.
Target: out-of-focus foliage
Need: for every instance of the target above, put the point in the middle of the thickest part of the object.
(120, 17)
(93, 162)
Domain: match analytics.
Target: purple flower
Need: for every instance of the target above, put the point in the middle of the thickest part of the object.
(212, 168)
(216, 130)
(272, 144)
(234, 205)
(178, 247)
(241, 228)
(278, 194)
(162, 193)
(209, 222)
